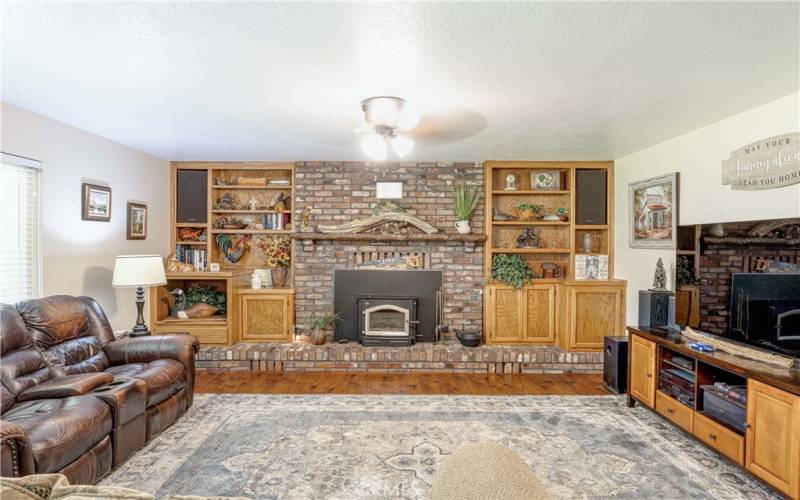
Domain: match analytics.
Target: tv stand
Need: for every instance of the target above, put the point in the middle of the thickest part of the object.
(670, 378)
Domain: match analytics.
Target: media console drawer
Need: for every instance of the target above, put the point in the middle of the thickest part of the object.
(719, 437)
(680, 414)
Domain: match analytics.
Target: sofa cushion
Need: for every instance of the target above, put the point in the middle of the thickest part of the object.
(164, 377)
(22, 364)
(69, 332)
(61, 430)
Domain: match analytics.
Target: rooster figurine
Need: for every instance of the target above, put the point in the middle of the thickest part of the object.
(233, 251)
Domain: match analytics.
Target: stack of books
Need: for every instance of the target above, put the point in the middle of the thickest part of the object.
(188, 255)
(276, 221)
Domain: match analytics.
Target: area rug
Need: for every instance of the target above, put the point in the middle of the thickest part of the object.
(349, 447)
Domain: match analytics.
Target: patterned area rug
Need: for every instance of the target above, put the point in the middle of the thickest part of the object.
(348, 447)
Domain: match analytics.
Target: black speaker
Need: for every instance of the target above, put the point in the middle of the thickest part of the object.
(591, 196)
(191, 193)
(615, 364)
(656, 309)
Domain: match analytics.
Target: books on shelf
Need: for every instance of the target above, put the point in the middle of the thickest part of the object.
(276, 221)
(191, 255)
(279, 182)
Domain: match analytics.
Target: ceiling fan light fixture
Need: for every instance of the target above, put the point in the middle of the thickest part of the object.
(374, 145)
(401, 145)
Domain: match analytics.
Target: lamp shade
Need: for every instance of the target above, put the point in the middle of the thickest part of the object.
(138, 270)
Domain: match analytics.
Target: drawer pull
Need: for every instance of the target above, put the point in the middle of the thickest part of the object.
(670, 410)
(712, 436)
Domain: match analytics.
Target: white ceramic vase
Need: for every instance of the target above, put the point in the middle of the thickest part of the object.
(462, 227)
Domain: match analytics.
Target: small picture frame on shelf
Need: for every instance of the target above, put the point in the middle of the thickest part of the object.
(213, 267)
(591, 267)
(546, 180)
(137, 221)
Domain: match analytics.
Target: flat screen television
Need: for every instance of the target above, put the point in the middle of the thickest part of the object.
(765, 311)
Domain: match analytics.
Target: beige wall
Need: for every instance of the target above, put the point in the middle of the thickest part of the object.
(697, 156)
(79, 255)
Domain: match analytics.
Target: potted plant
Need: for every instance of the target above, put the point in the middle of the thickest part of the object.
(321, 324)
(528, 211)
(511, 269)
(277, 256)
(465, 197)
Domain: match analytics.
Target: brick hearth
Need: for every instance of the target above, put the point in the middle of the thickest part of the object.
(422, 357)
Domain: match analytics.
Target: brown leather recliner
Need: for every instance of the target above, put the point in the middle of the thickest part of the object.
(63, 347)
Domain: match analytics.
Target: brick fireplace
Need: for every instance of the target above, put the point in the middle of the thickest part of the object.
(735, 252)
(340, 192)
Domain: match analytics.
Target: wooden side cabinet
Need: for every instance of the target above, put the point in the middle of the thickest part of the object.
(593, 310)
(539, 314)
(642, 370)
(266, 315)
(772, 447)
(505, 317)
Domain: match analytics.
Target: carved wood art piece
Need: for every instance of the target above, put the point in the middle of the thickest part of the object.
(786, 228)
(392, 221)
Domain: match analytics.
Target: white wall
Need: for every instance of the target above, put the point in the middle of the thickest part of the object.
(697, 156)
(79, 255)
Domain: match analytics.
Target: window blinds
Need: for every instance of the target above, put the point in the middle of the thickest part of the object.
(20, 234)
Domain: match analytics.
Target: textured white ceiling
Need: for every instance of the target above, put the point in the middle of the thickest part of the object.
(276, 81)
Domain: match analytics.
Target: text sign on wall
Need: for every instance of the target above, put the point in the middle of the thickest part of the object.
(765, 164)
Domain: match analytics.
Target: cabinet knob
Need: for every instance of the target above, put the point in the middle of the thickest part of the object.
(712, 436)
(670, 410)
(649, 375)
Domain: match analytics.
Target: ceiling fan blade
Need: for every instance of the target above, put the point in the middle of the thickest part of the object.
(451, 124)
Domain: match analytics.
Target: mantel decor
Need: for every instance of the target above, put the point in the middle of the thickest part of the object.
(467, 238)
(397, 221)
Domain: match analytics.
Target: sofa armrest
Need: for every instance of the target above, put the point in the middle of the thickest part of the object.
(181, 348)
(66, 386)
(15, 450)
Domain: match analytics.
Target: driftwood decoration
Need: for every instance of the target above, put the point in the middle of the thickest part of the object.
(775, 229)
(388, 218)
(739, 349)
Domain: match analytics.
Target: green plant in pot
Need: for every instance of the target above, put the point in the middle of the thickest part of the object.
(528, 211)
(465, 199)
(511, 269)
(684, 272)
(321, 324)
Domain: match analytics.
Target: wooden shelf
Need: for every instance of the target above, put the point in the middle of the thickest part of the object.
(475, 238)
(250, 231)
(530, 192)
(685, 252)
(591, 227)
(191, 224)
(286, 188)
(532, 250)
(529, 223)
(244, 211)
(213, 320)
(191, 243)
(204, 275)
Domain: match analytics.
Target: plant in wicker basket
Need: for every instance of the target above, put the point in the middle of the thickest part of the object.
(511, 269)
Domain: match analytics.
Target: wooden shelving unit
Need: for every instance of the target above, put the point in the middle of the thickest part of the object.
(574, 314)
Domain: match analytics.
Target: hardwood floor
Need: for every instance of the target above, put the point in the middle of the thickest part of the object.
(413, 383)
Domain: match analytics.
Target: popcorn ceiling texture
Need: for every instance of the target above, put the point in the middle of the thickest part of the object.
(342, 191)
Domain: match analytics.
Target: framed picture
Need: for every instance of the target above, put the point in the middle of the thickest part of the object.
(546, 180)
(653, 209)
(591, 267)
(95, 202)
(137, 221)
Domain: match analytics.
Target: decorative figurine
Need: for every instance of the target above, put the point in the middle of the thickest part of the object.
(252, 204)
(306, 218)
(176, 266)
(233, 251)
(660, 278)
(226, 202)
(588, 242)
(501, 216)
(255, 280)
(528, 239)
(511, 182)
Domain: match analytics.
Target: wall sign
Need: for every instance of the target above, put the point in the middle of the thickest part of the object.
(769, 163)
(389, 190)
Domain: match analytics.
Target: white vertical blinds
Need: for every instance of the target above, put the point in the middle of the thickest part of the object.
(20, 234)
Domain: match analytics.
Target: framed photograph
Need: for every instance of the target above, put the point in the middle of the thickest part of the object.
(137, 221)
(591, 267)
(95, 202)
(546, 180)
(653, 212)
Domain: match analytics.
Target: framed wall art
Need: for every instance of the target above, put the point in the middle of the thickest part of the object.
(653, 212)
(137, 221)
(95, 202)
(546, 180)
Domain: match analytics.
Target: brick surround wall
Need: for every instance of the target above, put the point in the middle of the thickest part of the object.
(719, 261)
(342, 191)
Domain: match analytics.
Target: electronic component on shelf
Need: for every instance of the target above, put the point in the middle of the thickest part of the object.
(686, 363)
(699, 346)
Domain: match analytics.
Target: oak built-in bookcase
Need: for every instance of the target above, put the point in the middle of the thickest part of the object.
(554, 308)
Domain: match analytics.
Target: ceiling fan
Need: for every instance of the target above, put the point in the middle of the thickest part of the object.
(393, 124)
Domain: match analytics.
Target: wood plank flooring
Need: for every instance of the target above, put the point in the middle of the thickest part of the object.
(411, 383)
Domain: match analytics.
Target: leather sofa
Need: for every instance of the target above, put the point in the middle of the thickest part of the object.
(75, 401)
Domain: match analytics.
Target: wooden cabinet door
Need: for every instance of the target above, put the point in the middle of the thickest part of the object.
(772, 447)
(266, 317)
(540, 314)
(643, 370)
(505, 314)
(594, 312)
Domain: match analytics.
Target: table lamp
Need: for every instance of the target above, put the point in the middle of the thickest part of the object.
(139, 271)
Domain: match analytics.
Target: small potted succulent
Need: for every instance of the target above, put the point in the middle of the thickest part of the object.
(277, 256)
(465, 198)
(528, 211)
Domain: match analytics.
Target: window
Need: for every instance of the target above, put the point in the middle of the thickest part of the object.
(20, 234)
